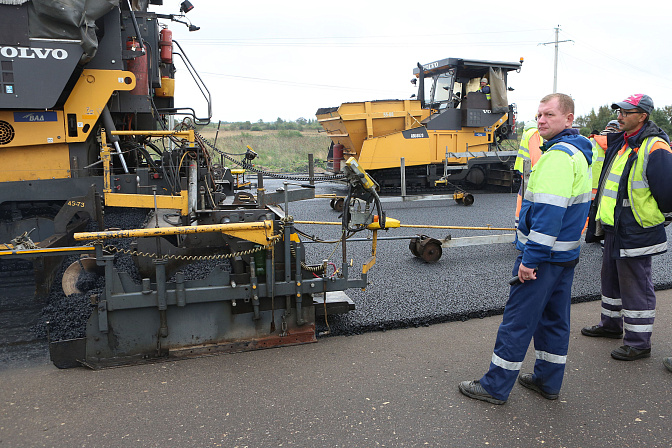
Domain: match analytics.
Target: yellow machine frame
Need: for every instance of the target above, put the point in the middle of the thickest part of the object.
(371, 131)
(112, 199)
(39, 150)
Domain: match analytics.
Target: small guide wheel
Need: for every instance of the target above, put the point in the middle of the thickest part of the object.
(427, 248)
(468, 200)
(338, 204)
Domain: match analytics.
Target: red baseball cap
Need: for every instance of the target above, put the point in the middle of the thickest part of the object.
(637, 100)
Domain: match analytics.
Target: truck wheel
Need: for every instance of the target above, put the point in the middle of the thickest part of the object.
(476, 177)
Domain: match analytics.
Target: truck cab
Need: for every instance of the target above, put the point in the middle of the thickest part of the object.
(451, 86)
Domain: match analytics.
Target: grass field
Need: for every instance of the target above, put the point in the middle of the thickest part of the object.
(284, 151)
(279, 151)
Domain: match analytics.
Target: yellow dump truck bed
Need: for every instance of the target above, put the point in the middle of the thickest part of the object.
(352, 123)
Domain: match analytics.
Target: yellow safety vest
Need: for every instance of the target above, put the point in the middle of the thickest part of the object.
(644, 206)
(524, 150)
(487, 95)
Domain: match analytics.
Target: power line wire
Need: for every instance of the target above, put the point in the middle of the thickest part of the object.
(291, 83)
(601, 52)
(388, 44)
(314, 38)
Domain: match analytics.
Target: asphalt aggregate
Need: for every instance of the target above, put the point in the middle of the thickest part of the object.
(466, 282)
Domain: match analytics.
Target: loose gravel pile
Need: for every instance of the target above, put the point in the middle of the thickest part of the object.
(66, 317)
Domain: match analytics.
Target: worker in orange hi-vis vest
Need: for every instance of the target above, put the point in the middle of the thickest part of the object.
(529, 149)
(599, 142)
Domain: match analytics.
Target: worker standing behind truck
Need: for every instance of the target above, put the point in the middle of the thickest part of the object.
(529, 149)
(554, 210)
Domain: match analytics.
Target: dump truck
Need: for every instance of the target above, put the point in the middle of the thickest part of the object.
(447, 132)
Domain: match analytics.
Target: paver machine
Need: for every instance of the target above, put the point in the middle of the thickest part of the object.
(447, 132)
(88, 136)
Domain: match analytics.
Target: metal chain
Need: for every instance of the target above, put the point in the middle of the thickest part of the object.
(113, 249)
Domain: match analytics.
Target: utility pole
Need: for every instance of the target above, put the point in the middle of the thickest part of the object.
(555, 66)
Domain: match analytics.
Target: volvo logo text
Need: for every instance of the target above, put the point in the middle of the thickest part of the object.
(33, 53)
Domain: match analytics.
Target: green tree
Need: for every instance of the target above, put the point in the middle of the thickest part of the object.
(594, 121)
(598, 121)
(662, 118)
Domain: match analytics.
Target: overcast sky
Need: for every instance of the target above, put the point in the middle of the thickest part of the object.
(270, 59)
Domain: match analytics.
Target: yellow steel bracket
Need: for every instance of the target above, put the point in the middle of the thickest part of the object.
(372, 259)
(375, 226)
(91, 93)
(259, 232)
(8, 249)
(112, 199)
(390, 223)
(501, 121)
(105, 157)
(180, 202)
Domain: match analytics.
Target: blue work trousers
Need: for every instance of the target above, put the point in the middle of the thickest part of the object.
(537, 308)
(628, 298)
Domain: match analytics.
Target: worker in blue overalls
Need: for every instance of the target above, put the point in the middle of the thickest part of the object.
(552, 216)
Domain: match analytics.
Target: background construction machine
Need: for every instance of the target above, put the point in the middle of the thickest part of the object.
(449, 132)
(87, 134)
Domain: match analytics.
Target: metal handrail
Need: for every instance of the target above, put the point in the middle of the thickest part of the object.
(199, 83)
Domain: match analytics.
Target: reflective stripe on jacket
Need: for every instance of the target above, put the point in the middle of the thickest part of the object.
(487, 94)
(636, 233)
(556, 204)
(599, 146)
(644, 207)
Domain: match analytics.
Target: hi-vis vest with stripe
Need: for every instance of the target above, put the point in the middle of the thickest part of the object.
(599, 145)
(559, 195)
(644, 206)
(487, 95)
(524, 150)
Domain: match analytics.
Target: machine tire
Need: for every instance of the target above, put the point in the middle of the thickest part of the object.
(476, 177)
(413, 246)
(338, 204)
(427, 248)
(431, 250)
(468, 200)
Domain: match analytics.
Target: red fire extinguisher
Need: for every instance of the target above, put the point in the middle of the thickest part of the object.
(166, 45)
(139, 68)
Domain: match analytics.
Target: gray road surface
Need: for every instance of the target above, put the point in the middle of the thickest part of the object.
(396, 389)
